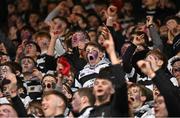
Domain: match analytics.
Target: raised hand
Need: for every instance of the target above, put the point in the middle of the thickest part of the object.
(12, 86)
(137, 40)
(155, 62)
(108, 43)
(146, 68)
(53, 30)
(149, 21)
(112, 11)
(19, 53)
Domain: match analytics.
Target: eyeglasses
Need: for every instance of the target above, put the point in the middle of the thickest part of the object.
(176, 69)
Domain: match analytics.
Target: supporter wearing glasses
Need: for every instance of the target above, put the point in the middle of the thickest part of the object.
(176, 69)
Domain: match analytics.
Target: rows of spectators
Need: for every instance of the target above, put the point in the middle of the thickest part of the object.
(89, 58)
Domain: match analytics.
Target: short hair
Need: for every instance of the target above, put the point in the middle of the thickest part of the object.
(34, 43)
(94, 44)
(144, 91)
(29, 28)
(63, 19)
(88, 93)
(36, 106)
(51, 75)
(110, 75)
(28, 57)
(10, 65)
(176, 18)
(95, 15)
(160, 55)
(43, 33)
(58, 94)
(84, 33)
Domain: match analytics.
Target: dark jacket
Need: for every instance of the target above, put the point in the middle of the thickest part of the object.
(59, 116)
(169, 92)
(117, 38)
(118, 106)
(19, 106)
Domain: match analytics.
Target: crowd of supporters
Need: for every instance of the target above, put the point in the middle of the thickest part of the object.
(90, 58)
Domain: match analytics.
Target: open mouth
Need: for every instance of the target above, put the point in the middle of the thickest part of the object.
(91, 58)
(99, 90)
(25, 66)
(44, 108)
(132, 99)
(156, 110)
(112, 10)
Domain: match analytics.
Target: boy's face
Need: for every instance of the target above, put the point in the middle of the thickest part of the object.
(27, 65)
(103, 88)
(49, 83)
(77, 9)
(76, 102)
(93, 55)
(50, 105)
(171, 24)
(7, 111)
(43, 42)
(79, 40)
(134, 97)
(33, 18)
(30, 50)
(59, 25)
(93, 21)
(155, 62)
(176, 69)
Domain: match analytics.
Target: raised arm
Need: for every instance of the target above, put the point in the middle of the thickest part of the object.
(109, 46)
(157, 42)
(52, 14)
(16, 101)
(54, 36)
(120, 99)
(165, 86)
